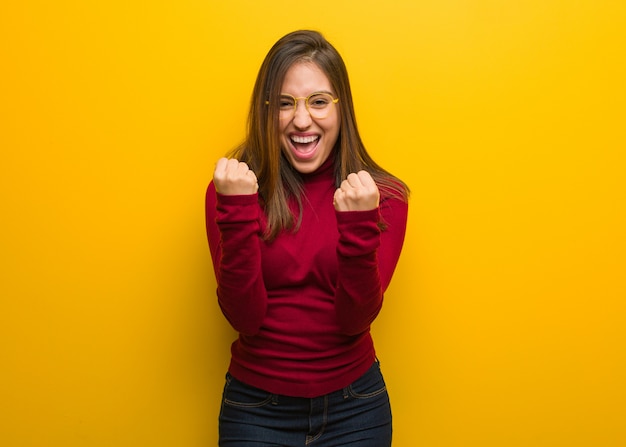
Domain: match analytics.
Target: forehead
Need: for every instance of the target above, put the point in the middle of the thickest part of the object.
(304, 78)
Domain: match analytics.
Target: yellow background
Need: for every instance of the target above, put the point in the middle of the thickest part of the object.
(505, 323)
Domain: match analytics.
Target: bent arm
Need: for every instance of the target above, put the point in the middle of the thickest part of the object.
(232, 223)
(367, 258)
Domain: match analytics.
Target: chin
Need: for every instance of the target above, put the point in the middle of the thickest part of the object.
(305, 167)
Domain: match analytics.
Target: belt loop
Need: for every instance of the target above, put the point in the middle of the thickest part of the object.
(274, 399)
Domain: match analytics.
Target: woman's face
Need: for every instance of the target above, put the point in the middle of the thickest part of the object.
(308, 141)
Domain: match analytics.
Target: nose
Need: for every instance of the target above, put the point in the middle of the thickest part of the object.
(301, 117)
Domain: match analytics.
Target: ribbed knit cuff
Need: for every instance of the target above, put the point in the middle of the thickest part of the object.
(358, 232)
(239, 208)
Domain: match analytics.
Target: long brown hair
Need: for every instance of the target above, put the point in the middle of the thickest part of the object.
(262, 150)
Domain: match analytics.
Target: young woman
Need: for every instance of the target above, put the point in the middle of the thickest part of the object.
(305, 231)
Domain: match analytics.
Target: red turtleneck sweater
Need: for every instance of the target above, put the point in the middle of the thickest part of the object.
(303, 303)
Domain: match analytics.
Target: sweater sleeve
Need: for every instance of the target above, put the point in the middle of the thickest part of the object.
(367, 258)
(233, 231)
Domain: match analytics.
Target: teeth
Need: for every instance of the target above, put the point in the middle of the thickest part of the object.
(304, 140)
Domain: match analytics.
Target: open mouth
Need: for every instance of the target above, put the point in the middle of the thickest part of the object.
(304, 145)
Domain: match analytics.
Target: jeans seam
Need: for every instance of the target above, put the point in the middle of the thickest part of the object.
(311, 439)
(229, 380)
(368, 395)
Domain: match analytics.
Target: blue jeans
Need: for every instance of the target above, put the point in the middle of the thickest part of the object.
(358, 415)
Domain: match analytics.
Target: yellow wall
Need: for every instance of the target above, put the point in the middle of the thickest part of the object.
(505, 324)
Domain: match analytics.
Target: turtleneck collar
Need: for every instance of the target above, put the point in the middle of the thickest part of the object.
(323, 172)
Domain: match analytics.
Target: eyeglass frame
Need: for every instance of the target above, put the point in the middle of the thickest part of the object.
(306, 102)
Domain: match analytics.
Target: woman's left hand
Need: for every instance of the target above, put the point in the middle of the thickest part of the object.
(358, 192)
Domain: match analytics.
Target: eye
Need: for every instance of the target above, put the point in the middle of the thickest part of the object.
(286, 102)
(320, 100)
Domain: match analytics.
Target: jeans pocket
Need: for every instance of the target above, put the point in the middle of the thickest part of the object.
(239, 394)
(369, 385)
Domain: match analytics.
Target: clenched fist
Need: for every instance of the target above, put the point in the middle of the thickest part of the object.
(232, 178)
(358, 192)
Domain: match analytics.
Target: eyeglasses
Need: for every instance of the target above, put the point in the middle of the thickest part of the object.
(318, 104)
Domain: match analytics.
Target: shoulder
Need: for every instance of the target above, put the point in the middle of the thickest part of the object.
(390, 186)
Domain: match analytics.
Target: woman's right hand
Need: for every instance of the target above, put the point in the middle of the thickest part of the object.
(233, 177)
